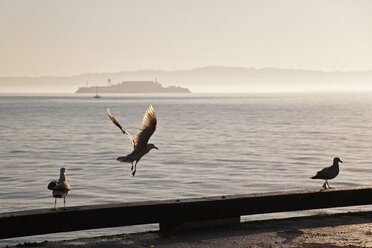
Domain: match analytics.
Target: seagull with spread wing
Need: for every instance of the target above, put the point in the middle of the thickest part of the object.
(140, 143)
(60, 188)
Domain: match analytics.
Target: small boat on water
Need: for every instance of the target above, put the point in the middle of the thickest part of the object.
(97, 96)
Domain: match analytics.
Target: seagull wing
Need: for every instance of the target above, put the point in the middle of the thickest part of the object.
(118, 124)
(52, 185)
(63, 186)
(327, 173)
(147, 129)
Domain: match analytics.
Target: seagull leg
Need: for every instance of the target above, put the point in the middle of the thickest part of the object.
(135, 168)
(328, 185)
(55, 203)
(64, 202)
(131, 168)
(325, 185)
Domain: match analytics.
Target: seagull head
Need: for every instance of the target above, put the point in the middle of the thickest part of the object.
(152, 146)
(336, 160)
(63, 170)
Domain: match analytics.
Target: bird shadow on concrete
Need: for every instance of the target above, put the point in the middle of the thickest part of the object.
(289, 235)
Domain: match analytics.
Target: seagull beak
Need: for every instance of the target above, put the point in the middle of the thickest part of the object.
(156, 148)
(341, 161)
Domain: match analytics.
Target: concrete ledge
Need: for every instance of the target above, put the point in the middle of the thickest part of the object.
(43, 221)
(347, 230)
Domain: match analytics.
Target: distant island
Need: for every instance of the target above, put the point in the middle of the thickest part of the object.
(210, 79)
(134, 87)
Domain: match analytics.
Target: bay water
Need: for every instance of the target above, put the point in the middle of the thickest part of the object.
(209, 144)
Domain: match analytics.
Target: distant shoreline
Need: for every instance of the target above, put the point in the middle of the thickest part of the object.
(211, 79)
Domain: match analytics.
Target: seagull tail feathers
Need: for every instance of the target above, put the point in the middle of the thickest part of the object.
(123, 159)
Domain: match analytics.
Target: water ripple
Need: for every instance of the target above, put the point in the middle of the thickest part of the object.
(209, 145)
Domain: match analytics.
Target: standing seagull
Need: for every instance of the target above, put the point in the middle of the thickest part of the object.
(328, 172)
(140, 144)
(60, 188)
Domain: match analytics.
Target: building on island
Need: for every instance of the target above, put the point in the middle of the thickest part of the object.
(133, 87)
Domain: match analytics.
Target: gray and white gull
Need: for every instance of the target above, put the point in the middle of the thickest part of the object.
(60, 188)
(328, 173)
(140, 143)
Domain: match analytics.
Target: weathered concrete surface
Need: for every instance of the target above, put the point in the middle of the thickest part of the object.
(340, 230)
(172, 212)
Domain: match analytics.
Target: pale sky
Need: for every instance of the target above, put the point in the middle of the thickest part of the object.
(50, 37)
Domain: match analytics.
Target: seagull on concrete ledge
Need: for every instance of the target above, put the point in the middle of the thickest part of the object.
(60, 188)
(140, 144)
(328, 172)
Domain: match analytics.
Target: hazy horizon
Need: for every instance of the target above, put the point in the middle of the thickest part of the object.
(45, 38)
(189, 69)
(213, 79)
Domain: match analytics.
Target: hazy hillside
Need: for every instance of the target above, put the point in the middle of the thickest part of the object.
(206, 79)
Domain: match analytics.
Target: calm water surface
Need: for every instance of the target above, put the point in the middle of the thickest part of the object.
(208, 145)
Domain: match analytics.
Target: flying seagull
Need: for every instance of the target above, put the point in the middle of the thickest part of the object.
(328, 172)
(140, 143)
(60, 188)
